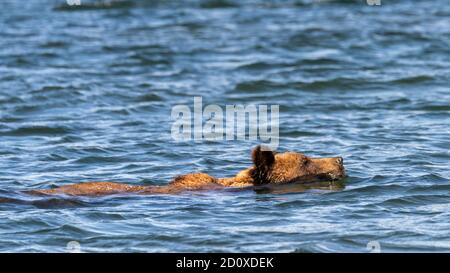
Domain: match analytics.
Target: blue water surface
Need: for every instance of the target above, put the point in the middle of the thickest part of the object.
(86, 94)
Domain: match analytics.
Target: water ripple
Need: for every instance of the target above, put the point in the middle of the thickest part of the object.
(86, 94)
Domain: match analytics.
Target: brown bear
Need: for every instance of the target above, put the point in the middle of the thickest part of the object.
(269, 168)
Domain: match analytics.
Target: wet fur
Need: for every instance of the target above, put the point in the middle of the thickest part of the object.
(268, 168)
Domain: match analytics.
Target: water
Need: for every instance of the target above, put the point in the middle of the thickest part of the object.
(86, 94)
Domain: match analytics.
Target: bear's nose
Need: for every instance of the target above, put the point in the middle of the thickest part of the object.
(340, 160)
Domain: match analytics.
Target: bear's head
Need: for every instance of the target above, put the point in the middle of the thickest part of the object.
(280, 168)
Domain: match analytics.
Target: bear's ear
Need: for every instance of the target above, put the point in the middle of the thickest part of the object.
(263, 158)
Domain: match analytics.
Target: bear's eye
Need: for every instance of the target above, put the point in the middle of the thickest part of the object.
(305, 162)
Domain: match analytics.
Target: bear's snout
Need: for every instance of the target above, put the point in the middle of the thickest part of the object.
(331, 168)
(339, 171)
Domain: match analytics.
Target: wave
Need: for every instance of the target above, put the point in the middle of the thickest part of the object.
(37, 131)
(94, 5)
